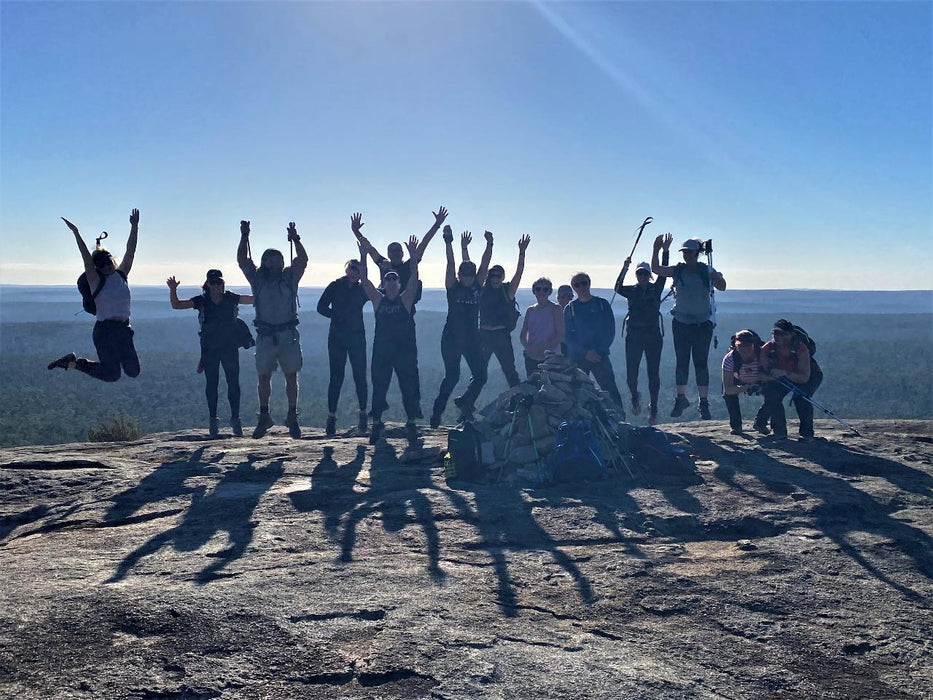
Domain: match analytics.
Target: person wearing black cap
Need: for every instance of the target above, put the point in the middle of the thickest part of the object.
(644, 335)
(342, 302)
(498, 317)
(113, 335)
(460, 338)
(692, 325)
(220, 344)
(394, 348)
(786, 356)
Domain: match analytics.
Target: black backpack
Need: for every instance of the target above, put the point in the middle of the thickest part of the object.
(513, 312)
(87, 296)
(655, 453)
(577, 455)
(466, 461)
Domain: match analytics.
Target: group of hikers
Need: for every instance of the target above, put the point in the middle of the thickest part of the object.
(481, 318)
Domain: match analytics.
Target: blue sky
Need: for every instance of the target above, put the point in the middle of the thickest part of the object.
(796, 135)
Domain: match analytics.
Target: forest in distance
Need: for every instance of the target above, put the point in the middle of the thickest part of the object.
(876, 365)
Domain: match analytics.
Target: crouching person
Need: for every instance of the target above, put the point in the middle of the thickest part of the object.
(786, 364)
(740, 374)
(275, 294)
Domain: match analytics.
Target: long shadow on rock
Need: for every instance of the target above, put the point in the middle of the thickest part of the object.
(227, 508)
(331, 491)
(843, 509)
(8, 523)
(396, 487)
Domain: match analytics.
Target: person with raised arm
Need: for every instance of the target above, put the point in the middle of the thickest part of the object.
(220, 342)
(460, 338)
(394, 348)
(275, 293)
(111, 304)
(642, 327)
(498, 316)
(543, 328)
(692, 325)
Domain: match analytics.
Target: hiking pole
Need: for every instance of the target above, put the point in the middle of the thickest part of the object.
(785, 382)
(508, 445)
(712, 290)
(641, 228)
(291, 261)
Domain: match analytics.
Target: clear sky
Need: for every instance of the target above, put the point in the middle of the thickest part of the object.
(796, 135)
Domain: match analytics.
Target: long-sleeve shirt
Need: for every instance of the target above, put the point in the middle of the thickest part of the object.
(588, 325)
(343, 305)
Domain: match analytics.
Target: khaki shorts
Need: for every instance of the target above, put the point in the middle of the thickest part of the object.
(282, 349)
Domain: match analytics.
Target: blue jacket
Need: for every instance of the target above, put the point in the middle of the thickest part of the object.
(588, 326)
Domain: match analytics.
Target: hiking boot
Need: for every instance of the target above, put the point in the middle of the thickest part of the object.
(466, 412)
(237, 427)
(291, 422)
(435, 419)
(411, 433)
(652, 414)
(736, 431)
(331, 428)
(362, 423)
(262, 425)
(680, 403)
(378, 427)
(703, 408)
(761, 427)
(214, 428)
(636, 404)
(66, 362)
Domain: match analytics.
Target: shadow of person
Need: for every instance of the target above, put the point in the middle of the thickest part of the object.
(228, 507)
(332, 490)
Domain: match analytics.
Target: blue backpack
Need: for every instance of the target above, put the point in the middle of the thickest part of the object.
(655, 453)
(577, 455)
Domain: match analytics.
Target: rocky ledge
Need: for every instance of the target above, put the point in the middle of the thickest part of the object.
(182, 567)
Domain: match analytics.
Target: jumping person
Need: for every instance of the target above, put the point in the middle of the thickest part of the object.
(342, 302)
(543, 327)
(590, 329)
(460, 338)
(275, 292)
(740, 374)
(644, 335)
(220, 346)
(113, 335)
(394, 346)
(497, 320)
(692, 325)
(786, 356)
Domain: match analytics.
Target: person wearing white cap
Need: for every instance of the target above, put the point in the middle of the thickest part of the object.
(644, 335)
(692, 325)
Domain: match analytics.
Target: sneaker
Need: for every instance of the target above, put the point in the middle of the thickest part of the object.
(262, 425)
(435, 420)
(761, 427)
(703, 408)
(411, 433)
(362, 423)
(466, 412)
(331, 428)
(680, 403)
(376, 433)
(237, 427)
(66, 362)
(636, 404)
(736, 431)
(214, 428)
(291, 422)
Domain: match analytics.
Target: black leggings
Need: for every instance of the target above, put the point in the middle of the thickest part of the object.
(341, 346)
(402, 358)
(498, 343)
(692, 339)
(605, 376)
(211, 360)
(773, 408)
(647, 342)
(453, 349)
(114, 343)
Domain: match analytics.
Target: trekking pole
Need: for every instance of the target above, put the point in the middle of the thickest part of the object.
(641, 228)
(712, 290)
(291, 261)
(508, 444)
(785, 382)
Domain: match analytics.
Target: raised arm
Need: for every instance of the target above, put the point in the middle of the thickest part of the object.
(439, 216)
(486, 259)
(242, 252)
(85, 255)
(410, 293)
(621, 278)
(127, 263)
(173, 295)
(356, 224)
(465, 239)
(450, 276)
(520, 265)
(371, 292)
(665, 258)
(300, 263)
(656, 267)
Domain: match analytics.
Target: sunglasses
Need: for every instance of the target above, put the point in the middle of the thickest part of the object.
(581, 283)
(541, 289)
(495, 276)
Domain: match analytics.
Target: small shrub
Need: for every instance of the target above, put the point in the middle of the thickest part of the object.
(114, 430)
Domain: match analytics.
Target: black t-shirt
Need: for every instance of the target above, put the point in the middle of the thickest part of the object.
(463, 310)
(495, 306)
(394, 324)
(403, 269)
(343, 305)
(644, 303)
(218, 321)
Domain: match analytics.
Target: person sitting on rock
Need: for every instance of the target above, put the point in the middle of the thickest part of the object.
(590, 329)
(543, 328)
(460, 337)
(786, 356)
(220, 344)
(740, 374)
(394, 348)
(113, 335)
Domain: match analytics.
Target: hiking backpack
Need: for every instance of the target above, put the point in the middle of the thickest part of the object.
(513, 311)
(577, 455)
(87, 295)
(655, 453)
(466, 460)
(737, 357)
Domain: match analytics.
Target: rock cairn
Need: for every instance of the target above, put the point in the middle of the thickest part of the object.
(519, 428)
